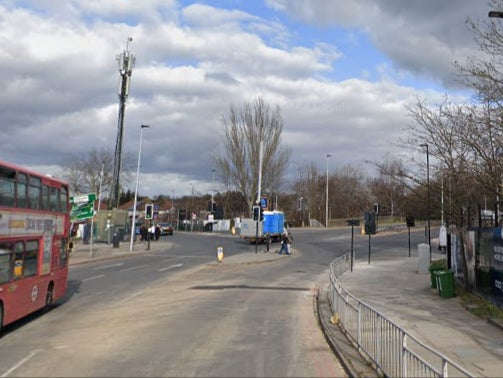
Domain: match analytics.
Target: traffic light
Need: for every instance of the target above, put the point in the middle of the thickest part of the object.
(370, 223)
(376, 208)
(256, 213)
(410, 221)
(149, 211)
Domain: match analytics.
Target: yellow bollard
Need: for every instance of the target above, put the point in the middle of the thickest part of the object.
(220, 254)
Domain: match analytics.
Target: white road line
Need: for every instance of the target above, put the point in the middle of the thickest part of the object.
(134, 267)
(129, 297)
(92, 278)
(183, 257)
(170, 267)
(265, 328)
(108, 266)
(7, 373)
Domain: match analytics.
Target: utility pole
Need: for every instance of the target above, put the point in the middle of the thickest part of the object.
(326, 197)
(212, 190)
(126, 61)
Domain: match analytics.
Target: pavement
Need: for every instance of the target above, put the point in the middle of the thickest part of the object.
(391, 285)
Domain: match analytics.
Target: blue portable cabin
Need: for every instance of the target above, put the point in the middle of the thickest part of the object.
(274, 223)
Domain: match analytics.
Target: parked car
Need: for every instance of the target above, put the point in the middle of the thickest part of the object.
(166, 228)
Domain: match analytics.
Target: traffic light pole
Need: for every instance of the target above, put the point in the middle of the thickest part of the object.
(369, 248)
(256, 235)
(148, 236)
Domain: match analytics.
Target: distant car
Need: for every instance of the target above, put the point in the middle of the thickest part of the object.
(166, 228)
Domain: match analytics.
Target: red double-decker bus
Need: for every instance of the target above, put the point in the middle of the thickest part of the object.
(34, 232)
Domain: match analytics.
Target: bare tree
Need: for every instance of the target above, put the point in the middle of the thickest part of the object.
(389, 191)
(83, 172)
(350, 196)
(243, 130)
(309, 185)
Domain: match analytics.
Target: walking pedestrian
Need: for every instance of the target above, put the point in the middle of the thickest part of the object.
(151, 231)
(143, 233)
(267, 241)
(284, 243)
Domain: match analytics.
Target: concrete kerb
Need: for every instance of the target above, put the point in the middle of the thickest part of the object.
(85, 253)
(353, 363)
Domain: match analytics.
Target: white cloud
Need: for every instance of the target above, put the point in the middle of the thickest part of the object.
(60, 80)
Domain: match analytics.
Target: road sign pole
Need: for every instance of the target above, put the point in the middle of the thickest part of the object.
(352, 240)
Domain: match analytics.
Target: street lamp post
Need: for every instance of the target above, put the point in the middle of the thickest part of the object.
(301, 199)
(133, 221)
(212, 189)
(496, 14)
(428, 188)
(326, 200)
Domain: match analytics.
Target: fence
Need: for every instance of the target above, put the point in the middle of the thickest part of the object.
(393, 351)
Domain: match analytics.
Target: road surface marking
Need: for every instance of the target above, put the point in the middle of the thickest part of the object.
(108, 266)
(129, 297)
(92, 278)
(134, 267)
(265, 327)
(7, 373)
(170, 267)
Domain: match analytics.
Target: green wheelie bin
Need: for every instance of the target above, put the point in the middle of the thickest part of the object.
(445, 283)
(433, 269)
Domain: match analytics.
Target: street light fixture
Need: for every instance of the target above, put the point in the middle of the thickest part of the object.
(428, 188)
(326, 202)
(496, 14)
(133, 221)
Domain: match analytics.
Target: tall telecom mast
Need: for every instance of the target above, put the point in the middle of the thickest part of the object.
(126, 62)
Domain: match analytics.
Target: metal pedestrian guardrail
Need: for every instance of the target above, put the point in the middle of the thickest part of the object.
(394, 352)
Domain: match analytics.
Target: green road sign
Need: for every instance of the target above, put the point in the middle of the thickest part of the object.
(91, 197)
(82, 211)
(82, 206)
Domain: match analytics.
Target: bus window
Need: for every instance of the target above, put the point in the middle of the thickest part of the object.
(31, 258)
(22, 200)
(64, 200)
(34, 191)
(45, 197)
(7, 194)
(18, 260)
(5, 265)
(54, 199)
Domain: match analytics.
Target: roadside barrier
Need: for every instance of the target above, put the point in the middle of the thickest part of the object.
(393, 351)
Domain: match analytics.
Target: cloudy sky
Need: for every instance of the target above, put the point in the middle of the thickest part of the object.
(342, 73)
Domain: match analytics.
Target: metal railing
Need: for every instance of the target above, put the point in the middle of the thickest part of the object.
(394, 352)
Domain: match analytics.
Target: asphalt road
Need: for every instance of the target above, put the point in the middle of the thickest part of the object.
(177, 313)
